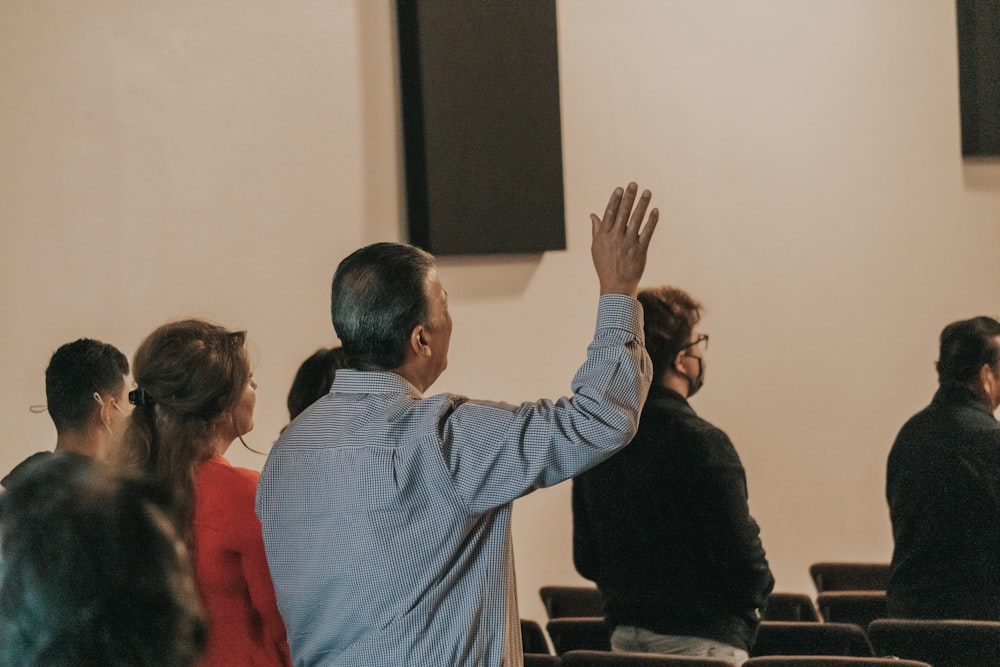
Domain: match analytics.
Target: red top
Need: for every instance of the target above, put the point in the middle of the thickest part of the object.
(244, 626)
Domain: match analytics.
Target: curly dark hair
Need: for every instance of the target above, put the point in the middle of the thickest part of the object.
(670, 316)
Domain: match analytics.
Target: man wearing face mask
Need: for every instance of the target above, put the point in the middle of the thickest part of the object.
(943, 486)
(85, 390)
(663, 527)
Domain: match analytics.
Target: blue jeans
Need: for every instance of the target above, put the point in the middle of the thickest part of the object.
(638, 640)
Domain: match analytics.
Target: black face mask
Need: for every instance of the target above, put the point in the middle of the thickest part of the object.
(695, 383)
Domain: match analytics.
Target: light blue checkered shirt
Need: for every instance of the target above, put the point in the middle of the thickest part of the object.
(386, 515)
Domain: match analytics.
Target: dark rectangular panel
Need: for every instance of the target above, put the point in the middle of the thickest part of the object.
(483, 144)
(979, 75)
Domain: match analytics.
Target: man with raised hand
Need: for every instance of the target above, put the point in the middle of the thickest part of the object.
(386, 514)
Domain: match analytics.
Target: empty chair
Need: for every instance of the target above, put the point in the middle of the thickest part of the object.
(789, 607)
(540, 660)
(941, 643)
(829, 661)
(834, 576)
(574, 601)
(608, 659)
(579, 634)
(858, 607)
(533, 637)
(831, 639)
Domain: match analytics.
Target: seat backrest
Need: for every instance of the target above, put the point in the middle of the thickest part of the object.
(539, 660)
(574, 601)
(941, 643)
(789, 607)
(575, 634)
(843, 576)
(533, 637)
(829, 661)
(858, 607)
(831, 639)
(608, 659)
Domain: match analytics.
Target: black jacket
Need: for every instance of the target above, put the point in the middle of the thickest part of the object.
(943, 489)
(664, 530)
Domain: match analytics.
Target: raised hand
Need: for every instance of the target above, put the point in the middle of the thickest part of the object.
(620, 241)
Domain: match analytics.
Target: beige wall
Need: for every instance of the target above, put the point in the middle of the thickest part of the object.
(165, 159)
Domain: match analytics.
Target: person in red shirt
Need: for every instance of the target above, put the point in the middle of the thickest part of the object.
(195, 396)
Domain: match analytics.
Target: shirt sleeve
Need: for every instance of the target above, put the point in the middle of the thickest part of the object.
(498, 452)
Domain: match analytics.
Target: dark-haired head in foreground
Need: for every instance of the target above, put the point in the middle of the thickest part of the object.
(92, 571)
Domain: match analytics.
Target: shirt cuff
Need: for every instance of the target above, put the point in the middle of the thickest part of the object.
(618, 311)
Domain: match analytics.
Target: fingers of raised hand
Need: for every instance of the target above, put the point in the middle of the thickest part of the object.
(647, 232)
(639, 212)
(625, 207)
(612, 209)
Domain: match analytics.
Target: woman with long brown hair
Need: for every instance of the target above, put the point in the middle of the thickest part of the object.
(195, 396)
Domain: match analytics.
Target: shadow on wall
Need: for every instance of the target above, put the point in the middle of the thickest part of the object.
(489, 276)
(981, 173)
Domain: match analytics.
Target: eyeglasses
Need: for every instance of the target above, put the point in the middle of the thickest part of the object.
(701, 342)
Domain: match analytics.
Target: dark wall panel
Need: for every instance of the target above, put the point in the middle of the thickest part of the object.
(483, 145)
(979, 75)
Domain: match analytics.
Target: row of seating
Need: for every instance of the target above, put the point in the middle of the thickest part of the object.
(940, 643)
(860, 607)
(773, 637)
(604, 659)
(828, 577)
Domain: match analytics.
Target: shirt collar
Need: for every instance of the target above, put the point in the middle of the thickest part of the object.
(660, 392)
(950, 392)
(351, 381)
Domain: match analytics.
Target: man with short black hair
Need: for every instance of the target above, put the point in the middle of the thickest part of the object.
(85, 389)
(943, 486)
(663, 527)
(385, 513)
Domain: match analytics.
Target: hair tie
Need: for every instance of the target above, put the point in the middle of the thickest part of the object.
(139, 398)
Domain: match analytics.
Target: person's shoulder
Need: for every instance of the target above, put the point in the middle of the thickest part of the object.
(671, 429)
(706, 443)
(716, 441)
(670, 408)
(218, 472)
(24, 466)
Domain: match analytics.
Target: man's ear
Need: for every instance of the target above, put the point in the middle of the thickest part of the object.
(678, 364)
(987, 378)
(104, 407)
(418, 341)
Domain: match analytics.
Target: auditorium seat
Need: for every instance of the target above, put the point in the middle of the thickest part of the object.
(832, 639)
(533, 637)
(789, 607)
(845, 576)
(858, 607)
(608, 659)
(582, 633)
(829, 661)
(574, 601)
(941, 643)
